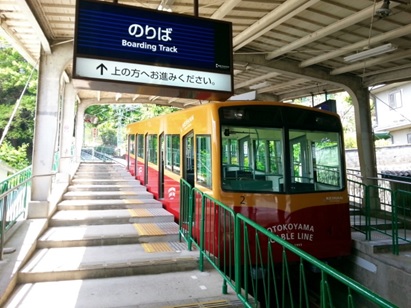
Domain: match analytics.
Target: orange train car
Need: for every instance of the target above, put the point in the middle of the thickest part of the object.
(279, 164)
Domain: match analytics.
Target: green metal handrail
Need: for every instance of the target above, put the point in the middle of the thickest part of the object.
(357, 200)
(13, 201)
(330, 281)
(252, 273)
(98, 155)
(401, 213)
(15, 179)
(378, 209)
(186, 212)
(382, 214)
(198, 208)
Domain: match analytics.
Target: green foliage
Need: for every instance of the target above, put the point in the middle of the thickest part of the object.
(14, 74)
(15, 158)
(108, 134)
(149, 111)
(112, 118)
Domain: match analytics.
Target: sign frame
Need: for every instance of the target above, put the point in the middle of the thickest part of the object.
(99, 63)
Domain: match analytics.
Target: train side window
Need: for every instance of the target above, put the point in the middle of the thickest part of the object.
(152, 149)
(172, 159)
(131, 144)
(140, 145)
(203, 163)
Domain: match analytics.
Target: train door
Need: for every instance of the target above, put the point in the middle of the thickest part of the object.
(245, 160)
(135, 155)
(140, 154)
(131, 154)
(146, 159)
(188, 161)
(161, 147)
(129, 137)
(301, 162)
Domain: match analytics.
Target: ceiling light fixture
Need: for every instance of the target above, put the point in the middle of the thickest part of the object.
(370, 53)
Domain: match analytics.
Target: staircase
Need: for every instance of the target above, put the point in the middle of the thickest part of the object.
(107, 245)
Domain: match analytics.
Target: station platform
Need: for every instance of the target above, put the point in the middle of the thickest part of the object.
(111, 244)
(108, 244)
(160, 279)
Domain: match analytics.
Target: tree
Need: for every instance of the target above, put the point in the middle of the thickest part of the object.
(14, 75)
(15, 158)
(113, 118)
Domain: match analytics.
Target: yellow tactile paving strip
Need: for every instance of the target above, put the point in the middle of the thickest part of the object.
(133, 201)
(157, 247)
(213, 304)
(140, 213)
(148, 229)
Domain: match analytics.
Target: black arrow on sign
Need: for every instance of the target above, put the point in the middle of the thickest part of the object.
(102, 67)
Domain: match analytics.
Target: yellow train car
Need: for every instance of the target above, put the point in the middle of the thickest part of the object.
(281, 165)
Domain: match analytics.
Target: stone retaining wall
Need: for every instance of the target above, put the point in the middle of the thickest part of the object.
(395, 157)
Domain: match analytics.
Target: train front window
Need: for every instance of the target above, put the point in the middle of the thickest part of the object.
(253, 160)
(315, 161)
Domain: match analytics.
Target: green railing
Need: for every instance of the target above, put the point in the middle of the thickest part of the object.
(212, 217)
(186, 212)
(402, 209)
(244, 252)
(92, 154)
(290, 284)
(381, 210)
(13, 201)
(357, 197)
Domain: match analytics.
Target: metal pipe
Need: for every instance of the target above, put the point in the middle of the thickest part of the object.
(196, 8)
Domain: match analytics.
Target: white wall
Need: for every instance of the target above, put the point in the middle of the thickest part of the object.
(395, 120)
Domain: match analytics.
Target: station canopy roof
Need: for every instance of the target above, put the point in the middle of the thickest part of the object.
(282, 49)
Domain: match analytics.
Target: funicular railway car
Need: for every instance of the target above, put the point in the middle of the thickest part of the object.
(279, 164)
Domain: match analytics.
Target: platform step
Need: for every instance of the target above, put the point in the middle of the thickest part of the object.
(91, 181)
(359, 222)
(93, 195)
(108, 216)
(116, 248)
(100, 204)
(114, 234)
(107, 187)
(189, 289)
(68, 263)
(103, 175)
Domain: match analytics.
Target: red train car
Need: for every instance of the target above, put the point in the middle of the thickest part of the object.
(279, 164)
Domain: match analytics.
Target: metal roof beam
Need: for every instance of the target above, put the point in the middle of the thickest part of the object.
(388, 77)
(255, 80)
(359, 45)
(291, 68)
(15, 42)
(278, 86)
(364, 64)
(28, 13)
(323, 32)
(276, 17)
(225, 9)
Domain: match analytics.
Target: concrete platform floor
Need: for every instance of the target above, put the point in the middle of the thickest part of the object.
(191, 288)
